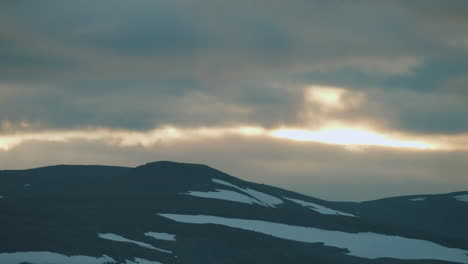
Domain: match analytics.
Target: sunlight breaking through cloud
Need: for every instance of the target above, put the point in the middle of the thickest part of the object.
(331, 98)
(325, 96)
(127, 138)
(348, 137)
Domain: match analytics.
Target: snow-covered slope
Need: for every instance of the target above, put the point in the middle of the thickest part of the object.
(167, 212)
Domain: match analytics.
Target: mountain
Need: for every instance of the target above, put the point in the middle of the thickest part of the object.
(167, 212)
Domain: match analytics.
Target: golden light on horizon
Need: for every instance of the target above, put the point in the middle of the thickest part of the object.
(349, 137)
(129, 138)
(337, 134)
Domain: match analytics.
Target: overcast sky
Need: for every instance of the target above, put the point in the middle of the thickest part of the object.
(342, 100)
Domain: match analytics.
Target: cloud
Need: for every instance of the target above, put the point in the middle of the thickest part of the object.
(158, 51)
(352, 138)
(296, 36)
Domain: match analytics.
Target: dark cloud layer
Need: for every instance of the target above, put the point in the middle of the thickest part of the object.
(96, 58)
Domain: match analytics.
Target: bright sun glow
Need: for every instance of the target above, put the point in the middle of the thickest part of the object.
(326, 96)
(349, 137)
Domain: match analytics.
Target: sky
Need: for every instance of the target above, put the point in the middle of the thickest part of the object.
(341, 100)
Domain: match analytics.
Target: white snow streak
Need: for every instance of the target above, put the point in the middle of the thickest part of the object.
(318, 208)
(141, 261)
(417, 199)
(265, 199)
(225, 183)
(114, 237)
(161, 236)
(462, 197)
(44, 257)
(366, 245)
(226, 195)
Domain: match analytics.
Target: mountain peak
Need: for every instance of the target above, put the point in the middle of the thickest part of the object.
(172, 165)
(166, 163)
(180, 168)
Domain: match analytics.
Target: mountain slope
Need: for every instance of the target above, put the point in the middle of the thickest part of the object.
(443, 214)
(167, 212)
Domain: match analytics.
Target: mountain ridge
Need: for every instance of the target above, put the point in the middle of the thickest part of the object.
(155, 164)
(108, 209)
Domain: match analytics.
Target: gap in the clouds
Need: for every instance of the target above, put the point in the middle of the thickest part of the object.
(348, 137)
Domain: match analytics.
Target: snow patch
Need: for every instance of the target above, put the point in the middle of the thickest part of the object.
(161, 236)
(366, 245)
(44, 257)
(141, 261)
(114, 237)
(462, 197)
(224, 183)
(319, 208)
(226, 195)
(417, 199)
(264, 199)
